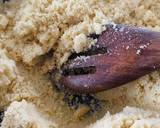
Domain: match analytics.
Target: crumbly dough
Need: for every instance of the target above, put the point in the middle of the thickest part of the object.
(39, 35)
(8, 70)
(130, 117)
(24, 115)
(38, 26)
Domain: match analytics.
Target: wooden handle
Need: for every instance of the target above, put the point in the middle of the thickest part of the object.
(132, 53)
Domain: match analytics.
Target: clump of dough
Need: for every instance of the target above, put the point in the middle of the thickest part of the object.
(3, 21)
(25, 115)
(130, 117)
(8, 71)
(80, 42)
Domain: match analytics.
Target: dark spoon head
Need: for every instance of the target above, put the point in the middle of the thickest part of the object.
(121, 54)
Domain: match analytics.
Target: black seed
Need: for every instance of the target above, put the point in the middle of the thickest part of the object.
(5, 1)
(75, 100)
(94, 36)
(1, 116)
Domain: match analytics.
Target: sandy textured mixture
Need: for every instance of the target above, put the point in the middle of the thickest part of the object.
(130, 117)
(38, 35)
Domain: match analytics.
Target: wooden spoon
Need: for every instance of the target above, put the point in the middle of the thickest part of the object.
(122, 54)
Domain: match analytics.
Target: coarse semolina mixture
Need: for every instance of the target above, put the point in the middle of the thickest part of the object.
(39, 35)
